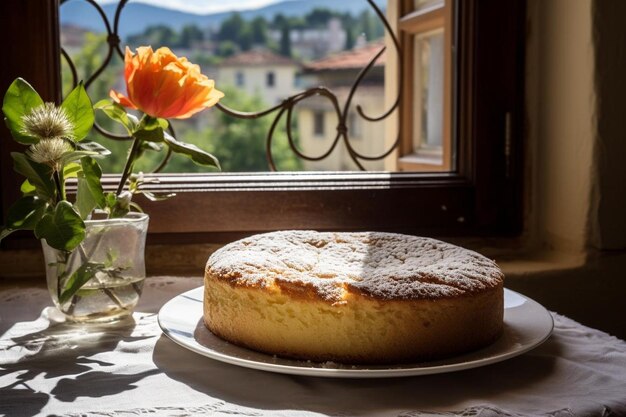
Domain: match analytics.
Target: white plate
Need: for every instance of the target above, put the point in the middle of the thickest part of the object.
(527, 324)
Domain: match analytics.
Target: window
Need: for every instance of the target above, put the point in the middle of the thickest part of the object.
(240, 81)
(480, 193)
(270, 79)
(426, 31)
(318, 124)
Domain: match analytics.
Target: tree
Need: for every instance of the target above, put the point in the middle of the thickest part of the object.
(238, 144)
(285, 41)
(231, 28)
(258, 27)
(245, 38)
(189, 35)
(318, 17)
(350, 41)
(226, 49)
(279, 21)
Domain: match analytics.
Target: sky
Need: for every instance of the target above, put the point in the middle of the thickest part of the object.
(202, 6)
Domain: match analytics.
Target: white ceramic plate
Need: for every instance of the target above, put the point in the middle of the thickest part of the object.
(527, 324)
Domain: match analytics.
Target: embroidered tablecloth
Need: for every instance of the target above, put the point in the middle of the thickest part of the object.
(48, 367)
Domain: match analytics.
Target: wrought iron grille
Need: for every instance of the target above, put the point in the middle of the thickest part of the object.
(283, 110)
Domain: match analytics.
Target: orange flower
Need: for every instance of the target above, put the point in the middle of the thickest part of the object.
(162, 85)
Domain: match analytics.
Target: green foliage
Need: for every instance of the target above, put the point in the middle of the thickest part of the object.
(43, 207)
(116, 113)
(190, 150)
(258, 28)
(285, 41)
(319, 17)
(78, 108)
(154, 35)
(38, 175)
(62, 228)
(90, 194)
(227, 48)
(189, 35)
(26, 213)
(19, 100)
(87, 60)
(231, 28)
(79, 278)
(240, 144)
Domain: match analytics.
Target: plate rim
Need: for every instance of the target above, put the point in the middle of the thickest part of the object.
(336, 372)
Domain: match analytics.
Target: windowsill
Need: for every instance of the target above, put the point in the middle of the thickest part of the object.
(422, 159)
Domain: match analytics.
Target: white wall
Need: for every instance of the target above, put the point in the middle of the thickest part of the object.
(255, 81)
(561, 121)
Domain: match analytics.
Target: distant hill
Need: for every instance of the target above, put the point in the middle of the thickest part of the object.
(137, 16)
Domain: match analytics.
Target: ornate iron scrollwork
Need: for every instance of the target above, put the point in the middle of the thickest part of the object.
(284, 109)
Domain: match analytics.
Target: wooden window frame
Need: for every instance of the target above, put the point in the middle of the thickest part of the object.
(483, 196)
(412, 23)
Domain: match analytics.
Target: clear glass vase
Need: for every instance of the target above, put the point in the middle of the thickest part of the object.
(101, 280)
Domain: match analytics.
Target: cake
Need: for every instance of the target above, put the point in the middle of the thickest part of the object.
(368, 298)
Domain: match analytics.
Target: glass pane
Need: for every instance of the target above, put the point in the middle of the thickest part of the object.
(428, 95)
(259, 52)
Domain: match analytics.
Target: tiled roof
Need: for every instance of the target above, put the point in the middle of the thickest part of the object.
(257, 57)
(353, 59)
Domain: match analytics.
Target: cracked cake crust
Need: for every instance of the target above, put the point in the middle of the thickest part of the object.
(353, 297)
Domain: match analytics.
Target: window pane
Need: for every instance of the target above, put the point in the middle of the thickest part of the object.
(428, 95)
(259, 54)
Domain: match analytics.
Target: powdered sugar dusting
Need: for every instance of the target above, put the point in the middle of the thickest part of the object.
(383, 265)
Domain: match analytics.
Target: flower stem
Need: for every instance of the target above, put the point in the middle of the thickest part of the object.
(59, 185)
(134, 150)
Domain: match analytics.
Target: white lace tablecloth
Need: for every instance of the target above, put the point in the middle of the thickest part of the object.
(52, 368)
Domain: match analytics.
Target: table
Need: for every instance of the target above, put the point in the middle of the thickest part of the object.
(48, 367)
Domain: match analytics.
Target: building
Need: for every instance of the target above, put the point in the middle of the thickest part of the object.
(317, 118)
(260, 72)
(72, 38)
(315, 43)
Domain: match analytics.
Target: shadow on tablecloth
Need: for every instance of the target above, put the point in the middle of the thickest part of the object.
(270, 391)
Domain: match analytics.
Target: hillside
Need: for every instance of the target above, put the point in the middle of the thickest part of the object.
(137, 16)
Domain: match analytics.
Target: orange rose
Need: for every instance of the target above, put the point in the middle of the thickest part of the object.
(162, 85)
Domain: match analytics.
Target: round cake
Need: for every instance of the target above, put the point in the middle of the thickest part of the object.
(352, 297)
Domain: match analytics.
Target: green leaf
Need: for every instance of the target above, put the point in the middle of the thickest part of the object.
(110, 199)
(117, 113)
(151, 129)
(73, 156)
(89, 194)
(79, 278)
(25, 213)
(146, 145)
(27, 188)
(77, 105)
(62, 228)
(38, 175)
(163, 123)
(19, 100)
(95, 147)
(196, 154)
(154, 134)
(85, 201)
(71, 170)
(4, 233)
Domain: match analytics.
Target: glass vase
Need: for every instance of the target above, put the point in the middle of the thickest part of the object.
(101, 279)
